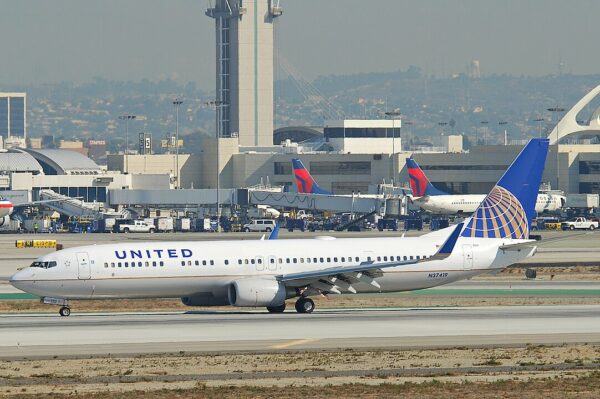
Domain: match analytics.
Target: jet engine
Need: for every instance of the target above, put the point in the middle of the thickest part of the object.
(258, 292)
(5, 220)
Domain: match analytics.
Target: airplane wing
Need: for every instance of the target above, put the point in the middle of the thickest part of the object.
(335, 278)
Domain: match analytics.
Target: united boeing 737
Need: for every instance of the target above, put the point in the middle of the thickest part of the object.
(431, 199)
(267, 272)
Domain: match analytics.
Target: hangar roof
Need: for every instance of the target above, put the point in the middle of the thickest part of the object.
(64, 162)
(18, 161)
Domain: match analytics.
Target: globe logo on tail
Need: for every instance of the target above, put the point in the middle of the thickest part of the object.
(500, 215)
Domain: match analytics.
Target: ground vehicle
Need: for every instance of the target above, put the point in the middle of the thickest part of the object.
(296, 224)
(580, 223)
(260, 225)
(137, 226)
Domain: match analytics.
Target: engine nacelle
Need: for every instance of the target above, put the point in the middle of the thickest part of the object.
(257, 292)
(207, 299)
(4, 221)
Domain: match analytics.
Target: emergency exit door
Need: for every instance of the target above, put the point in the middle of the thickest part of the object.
(467, 257)
(83, 266)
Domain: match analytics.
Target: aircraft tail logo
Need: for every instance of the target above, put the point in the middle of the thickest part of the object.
(419, 183)
(304, 181)
(507, 211)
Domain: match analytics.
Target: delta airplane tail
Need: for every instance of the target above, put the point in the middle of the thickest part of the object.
(507, 211)
(419, 183)
(304, 181)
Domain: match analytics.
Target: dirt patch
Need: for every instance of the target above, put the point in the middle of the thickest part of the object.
(501, 372)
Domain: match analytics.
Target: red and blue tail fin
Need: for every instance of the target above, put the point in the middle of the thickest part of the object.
(419, 183)
(304, 181)
(507, 211)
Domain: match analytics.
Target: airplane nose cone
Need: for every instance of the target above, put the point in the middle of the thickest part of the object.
(19, 279)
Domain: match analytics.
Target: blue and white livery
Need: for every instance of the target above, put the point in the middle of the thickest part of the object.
(267, 272)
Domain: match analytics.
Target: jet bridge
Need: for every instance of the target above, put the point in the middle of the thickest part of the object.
(319, 202)
(69, 206)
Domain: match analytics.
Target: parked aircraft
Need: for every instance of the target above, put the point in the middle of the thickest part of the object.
(267, 272)
(304, 181)
(6, 209)
(431, 199)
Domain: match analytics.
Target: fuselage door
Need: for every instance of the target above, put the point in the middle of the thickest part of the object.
(260, 263)
(83, 262)
(272, 263)
(467, 257)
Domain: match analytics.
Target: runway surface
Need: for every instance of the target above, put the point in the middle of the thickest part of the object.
(135, 333)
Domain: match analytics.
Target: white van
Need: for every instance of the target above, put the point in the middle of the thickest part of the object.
(260, 225)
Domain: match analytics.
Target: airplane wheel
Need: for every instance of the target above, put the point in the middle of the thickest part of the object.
(64, 311)
(305, 305)
(276, 309)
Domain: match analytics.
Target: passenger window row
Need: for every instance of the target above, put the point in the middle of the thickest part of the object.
(254, 261)
(198, 262)
(134, 264)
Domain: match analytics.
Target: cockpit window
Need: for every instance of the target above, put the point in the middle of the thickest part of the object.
(44, 265)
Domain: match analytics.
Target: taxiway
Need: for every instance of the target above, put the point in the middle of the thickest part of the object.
(45, 335)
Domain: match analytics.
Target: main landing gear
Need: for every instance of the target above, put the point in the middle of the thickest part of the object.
(65, 311)
(276, 309)
(304, 305)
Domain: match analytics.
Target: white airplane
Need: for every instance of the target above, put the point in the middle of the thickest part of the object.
(6, 209)
(267, 272)
(433, 200)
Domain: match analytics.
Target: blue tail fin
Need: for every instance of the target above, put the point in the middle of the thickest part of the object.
(419, 183)
(304, 181)
(507, 211)
(275, 233)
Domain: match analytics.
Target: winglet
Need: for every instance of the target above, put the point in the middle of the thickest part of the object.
(448, 246)
(275, 233)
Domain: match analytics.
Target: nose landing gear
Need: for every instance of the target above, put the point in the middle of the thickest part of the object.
(65, 310)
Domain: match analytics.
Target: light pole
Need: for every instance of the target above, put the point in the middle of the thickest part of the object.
(442, 124)
(483, 123)
(408, 133)
(177, 102)
(216, 104)
(504, 123)
(391, 115)
(539, 121)
(126, 118)
(557, 110)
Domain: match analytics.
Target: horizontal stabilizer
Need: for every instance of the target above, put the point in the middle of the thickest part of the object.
(448, 246)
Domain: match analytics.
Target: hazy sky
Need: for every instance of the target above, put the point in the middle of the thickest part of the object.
(47, 41)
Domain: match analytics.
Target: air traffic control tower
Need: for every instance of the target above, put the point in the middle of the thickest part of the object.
(244, 33)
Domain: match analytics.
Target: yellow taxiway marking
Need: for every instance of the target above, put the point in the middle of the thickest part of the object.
(294, 343)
